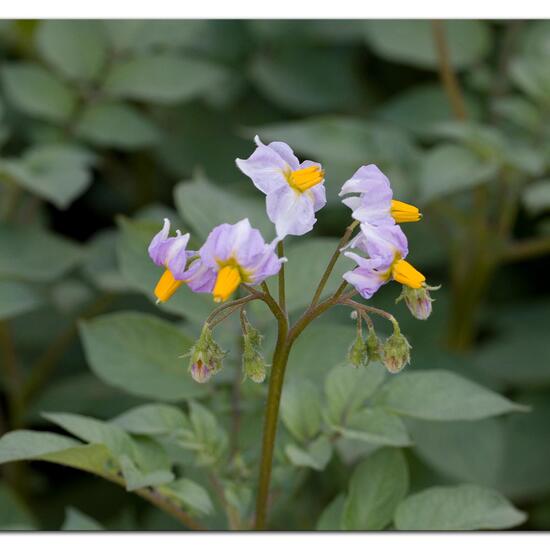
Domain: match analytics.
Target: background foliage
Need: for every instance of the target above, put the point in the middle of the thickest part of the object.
(108, 126)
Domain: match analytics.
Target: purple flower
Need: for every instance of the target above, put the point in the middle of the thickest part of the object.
(386, 247)
(181, 265)
(236, 254)
(373, 203)
(294, 191)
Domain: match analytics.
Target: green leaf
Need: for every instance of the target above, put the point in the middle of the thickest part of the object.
(136, 479)
(307, 261)
(281, 77)
(77, 49)
(17, 298)
(376, 488)
(331, 518)
(347, 389)
(375, 426)
(317, 454)
(14, 514)
(205, 205)
(468, 171)
(142, 274)
(301, 409)
(162, 78)
(191, 495)
(57, 173)
(537, 197)
(59, 449)
(140, 354)
(37, 92)
(75, 520)
(152, 420)
(117, 125)
(412, 42)
(442, 395)
(34, 254)
(464, 451)
(530, 74)
(460, 508)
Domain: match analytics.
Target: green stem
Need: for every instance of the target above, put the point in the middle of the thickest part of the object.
(332, 262)
(282, 292)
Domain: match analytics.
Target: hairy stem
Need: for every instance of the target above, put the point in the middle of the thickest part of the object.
(446, 72)
(282, 291)
(332, 262)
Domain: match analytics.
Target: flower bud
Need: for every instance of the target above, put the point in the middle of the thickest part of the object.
(396, 351)
(254, 365)
(418, 300)
(357, 354)
(373, 346)
(206, 357)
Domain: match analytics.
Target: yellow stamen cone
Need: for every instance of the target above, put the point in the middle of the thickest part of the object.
(166, 286)
(306, 178)
(229, 278)
(404, 273)
(403, 212)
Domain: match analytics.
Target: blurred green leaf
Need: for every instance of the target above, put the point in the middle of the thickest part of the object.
(331, 518)
(377, 486)
(116, 125)
(191, 495)
(75, 520)
(468, 171)
(317, 454)
(460, 508)
(537, 197)
(442, 395)
(530, 74)
(17, 298)
(77, 49)
(205, 205)
(57, 173)
(142, 274)
(34, 254)
(139, 354)
(348, 388)
(375, 426)
(300, 83)
(14, 514)
(301, 410)
(412, 42)
(37, 92)
(162, 78)
(136, 479)
(152, 420)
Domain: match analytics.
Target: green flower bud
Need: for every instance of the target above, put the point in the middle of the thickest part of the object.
(254, 365)
(418, 300)
(396, 351)
(357, 354)
(373, 346)
(206, 357)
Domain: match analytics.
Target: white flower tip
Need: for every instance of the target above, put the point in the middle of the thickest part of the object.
(283, 260)
(257, 140)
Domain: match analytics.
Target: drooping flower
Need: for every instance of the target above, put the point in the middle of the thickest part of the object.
(374, 202)
(387, 248)
(294, 191)
(205, 357)
(237, 254)
(396, 352)
(418, 300)
(180, 265)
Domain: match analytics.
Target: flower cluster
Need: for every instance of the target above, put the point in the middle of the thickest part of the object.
(237, 254)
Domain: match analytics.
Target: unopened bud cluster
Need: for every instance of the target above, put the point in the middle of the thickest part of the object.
(254, 365)
(206, 356)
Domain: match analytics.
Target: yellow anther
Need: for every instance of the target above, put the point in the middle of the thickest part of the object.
(305, 178)
(404, 273)
(229, 278)
(166, 286)
(403, 212)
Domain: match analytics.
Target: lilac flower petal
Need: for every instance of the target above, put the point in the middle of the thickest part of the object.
(284, 151)
(365, 180)
(292, 212)
(156, 249)
(200, 278)
(386, 240)
(176, 256)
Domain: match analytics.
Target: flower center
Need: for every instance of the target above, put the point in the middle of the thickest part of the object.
(404, 273)
(166, 286)
(403, 212)
(229, 278)
(305, 178)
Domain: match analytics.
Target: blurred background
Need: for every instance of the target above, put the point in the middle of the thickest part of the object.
(108, 126)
